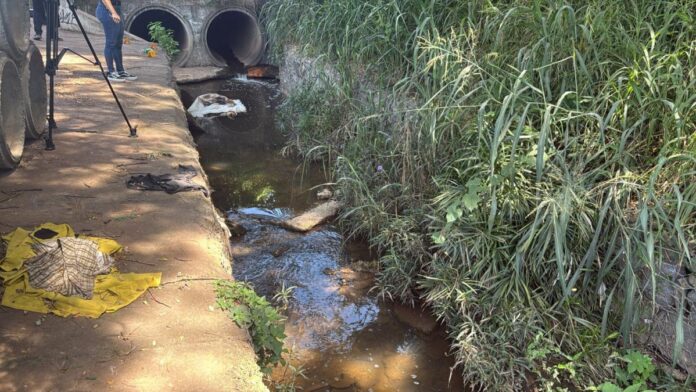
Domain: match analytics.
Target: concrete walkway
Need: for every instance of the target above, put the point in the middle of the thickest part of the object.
(172, 338)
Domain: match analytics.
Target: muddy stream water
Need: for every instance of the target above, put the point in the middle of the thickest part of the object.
(342, 335)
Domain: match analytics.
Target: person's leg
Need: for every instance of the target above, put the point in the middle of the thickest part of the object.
(39, 17)
(118, 48)
(110, 30)
(118, 58)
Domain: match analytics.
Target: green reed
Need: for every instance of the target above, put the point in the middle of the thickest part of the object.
(523, 166)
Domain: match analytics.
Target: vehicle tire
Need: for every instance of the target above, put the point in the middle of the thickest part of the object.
(35, 94)
(14, 28)
(12, 114)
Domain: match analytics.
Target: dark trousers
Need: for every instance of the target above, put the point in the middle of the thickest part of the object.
(39, 15)
(114, 38)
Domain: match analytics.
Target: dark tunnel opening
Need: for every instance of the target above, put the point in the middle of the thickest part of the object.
(234, 39)
(139, 27)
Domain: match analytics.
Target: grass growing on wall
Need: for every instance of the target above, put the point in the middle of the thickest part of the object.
(524, 166)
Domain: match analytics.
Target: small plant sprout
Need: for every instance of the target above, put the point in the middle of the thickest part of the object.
(164, 37)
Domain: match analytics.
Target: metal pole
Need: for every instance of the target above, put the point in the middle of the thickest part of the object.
(51, 10)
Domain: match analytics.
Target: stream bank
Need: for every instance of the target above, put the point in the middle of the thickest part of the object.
(339, 333)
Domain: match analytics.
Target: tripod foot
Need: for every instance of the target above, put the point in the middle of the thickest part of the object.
(50, 146)
(134, 131)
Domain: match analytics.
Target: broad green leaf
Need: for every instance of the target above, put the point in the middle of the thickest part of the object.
(471, 201)
(609, 387)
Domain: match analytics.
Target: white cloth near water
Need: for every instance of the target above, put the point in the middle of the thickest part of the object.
(216, 105)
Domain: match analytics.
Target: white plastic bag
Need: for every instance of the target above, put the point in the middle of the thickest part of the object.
(216, 105)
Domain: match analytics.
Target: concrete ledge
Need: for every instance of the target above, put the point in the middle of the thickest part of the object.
(200, 74)
(172, 338)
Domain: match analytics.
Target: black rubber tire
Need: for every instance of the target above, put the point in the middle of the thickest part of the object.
(12, 115)
(35, 93)
(14, 28)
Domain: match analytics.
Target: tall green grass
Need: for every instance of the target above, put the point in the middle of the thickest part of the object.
(524, 166)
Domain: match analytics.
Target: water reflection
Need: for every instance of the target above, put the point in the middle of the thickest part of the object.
(340, 333)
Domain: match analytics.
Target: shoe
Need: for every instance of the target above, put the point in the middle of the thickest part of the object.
(127, 76)
(114, 77)
(37, 37)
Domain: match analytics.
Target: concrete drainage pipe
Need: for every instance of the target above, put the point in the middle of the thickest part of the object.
(14, 28)
(233, 37)
(12, 115)
(138, 21)
(35, 95)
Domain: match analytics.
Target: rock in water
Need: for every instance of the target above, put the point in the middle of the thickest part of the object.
(324, 194)
(263, 72)
(416, 318)
(236, 228)
(313, 217)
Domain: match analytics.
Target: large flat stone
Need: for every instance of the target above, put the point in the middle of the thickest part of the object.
(314, 217)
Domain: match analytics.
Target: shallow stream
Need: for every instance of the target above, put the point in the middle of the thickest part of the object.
(341, 335)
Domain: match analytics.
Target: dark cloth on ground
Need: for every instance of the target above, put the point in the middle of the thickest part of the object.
(45, 234)
(170, 183)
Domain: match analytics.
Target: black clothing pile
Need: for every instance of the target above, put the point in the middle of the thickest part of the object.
(170, 183)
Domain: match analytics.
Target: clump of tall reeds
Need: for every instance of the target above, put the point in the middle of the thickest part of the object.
(525, 166)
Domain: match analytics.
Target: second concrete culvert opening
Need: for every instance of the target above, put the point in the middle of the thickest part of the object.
(138, 25)
(35, 94)
(233, 38)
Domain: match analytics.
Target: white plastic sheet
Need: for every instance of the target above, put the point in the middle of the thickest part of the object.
(216, 105)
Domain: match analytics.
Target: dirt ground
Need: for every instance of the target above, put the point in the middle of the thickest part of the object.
(172, 338)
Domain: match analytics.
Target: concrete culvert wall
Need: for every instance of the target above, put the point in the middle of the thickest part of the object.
(233, 37)
(35, 94)
(12, 115)
(14, 28)
(137, 25)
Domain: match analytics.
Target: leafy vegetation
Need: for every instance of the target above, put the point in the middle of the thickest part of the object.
(635, 376)
(164, 38)
(523, 166)
(265, 324)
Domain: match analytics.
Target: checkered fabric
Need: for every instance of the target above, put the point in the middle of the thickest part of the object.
(68, 266)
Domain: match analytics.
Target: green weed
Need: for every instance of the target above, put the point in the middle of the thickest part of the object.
(633, 374)
(523, 166)
(164, 38)
(265, 324)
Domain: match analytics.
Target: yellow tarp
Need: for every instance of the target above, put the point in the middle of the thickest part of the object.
(111, 292)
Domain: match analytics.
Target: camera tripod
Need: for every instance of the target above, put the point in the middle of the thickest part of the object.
(54, 57)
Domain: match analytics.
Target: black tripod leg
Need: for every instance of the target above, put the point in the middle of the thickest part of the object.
(133, 130)
(51, 9)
